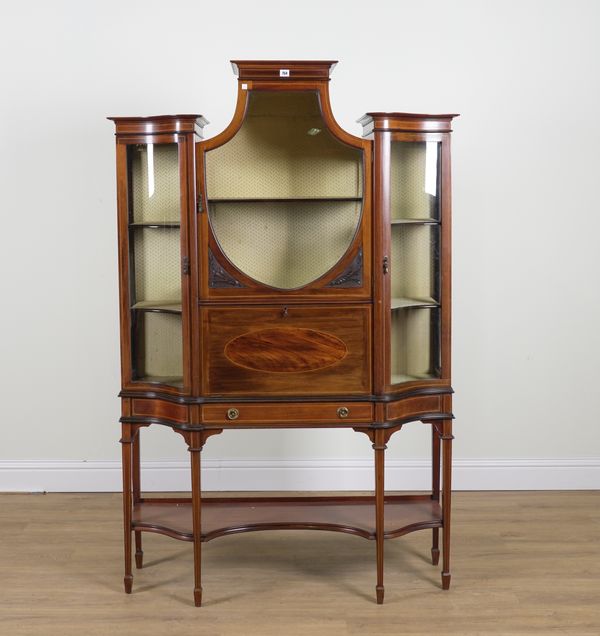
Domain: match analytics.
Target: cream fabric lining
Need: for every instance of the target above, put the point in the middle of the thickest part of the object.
(156, 198)
(412, 268)
(157, 264)
(407, 182)
(412, 263)
(156, 258)
(284, 151)
(411, 344)
(274, 156)
(156, 194)
(285, 245)
(160, 350)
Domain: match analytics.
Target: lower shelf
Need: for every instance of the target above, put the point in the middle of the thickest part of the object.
(223, 516)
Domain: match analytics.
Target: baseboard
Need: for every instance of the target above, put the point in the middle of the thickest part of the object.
(300, 475)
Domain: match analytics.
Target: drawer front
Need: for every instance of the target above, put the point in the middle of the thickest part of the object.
(287, 350)
(415, 406)
(281, 414)
(159, 409)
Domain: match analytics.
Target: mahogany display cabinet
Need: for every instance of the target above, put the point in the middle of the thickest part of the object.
(285, 274)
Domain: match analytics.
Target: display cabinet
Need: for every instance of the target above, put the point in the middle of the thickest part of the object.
(285, 274)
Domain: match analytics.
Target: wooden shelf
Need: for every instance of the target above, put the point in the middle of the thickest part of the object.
(414, 222)
(161, 306)
(170, 380)
(224, 516)
(398, 378)
(292, 200)
(404, 303)
(156, 224)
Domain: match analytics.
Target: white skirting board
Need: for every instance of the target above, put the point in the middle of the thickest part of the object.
(301, 475)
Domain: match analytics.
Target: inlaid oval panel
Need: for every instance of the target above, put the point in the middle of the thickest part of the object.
(286, 350)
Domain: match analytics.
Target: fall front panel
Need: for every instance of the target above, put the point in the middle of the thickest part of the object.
(287, 350)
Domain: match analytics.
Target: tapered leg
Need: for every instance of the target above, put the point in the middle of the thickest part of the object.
(379, 447)
(435, 547)
(127, 500)
(435, 489)
(139, 553)
(136, 478)
(446, 498)
(195, 449)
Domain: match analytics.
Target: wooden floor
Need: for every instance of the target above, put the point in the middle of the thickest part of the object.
(523, 563)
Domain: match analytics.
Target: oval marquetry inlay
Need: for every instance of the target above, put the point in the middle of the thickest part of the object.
(286, 350)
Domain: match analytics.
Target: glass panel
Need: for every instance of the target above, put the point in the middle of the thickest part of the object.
(154, 182)
(159, 348)
(414, 180)
(285, 196)
(155, 263)
(414, 261)
(415, 344)
(299, 241)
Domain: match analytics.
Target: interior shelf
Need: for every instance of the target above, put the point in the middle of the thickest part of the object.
(155, 224)
(403, 303)
(168, 306)
(398, 378)
(171, 380)
(414, 222)
(285, 200)
(223, 516)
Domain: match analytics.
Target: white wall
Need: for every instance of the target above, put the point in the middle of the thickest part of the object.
(523, 74)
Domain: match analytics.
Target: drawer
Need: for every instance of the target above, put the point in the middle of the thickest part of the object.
(159, 409)
(414, 406)
(286, 413)
(287, 350)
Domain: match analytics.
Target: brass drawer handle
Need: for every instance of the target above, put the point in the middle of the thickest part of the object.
(233, 414)
(343, 411)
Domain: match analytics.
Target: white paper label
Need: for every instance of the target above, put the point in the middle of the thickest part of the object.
(244, 87)
(284, 72)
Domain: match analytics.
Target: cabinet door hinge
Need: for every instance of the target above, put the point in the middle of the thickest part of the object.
(199, 204)
(386, 265)
(185, 265)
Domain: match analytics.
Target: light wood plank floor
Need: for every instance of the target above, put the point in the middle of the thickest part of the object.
(523, 563)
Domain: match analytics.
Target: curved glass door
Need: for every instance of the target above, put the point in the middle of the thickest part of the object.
(284, 194)
(414, 261)
(154, 240)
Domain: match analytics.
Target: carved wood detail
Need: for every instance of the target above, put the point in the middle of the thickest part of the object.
(218, 276)
(195, 440)
(352, 275)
